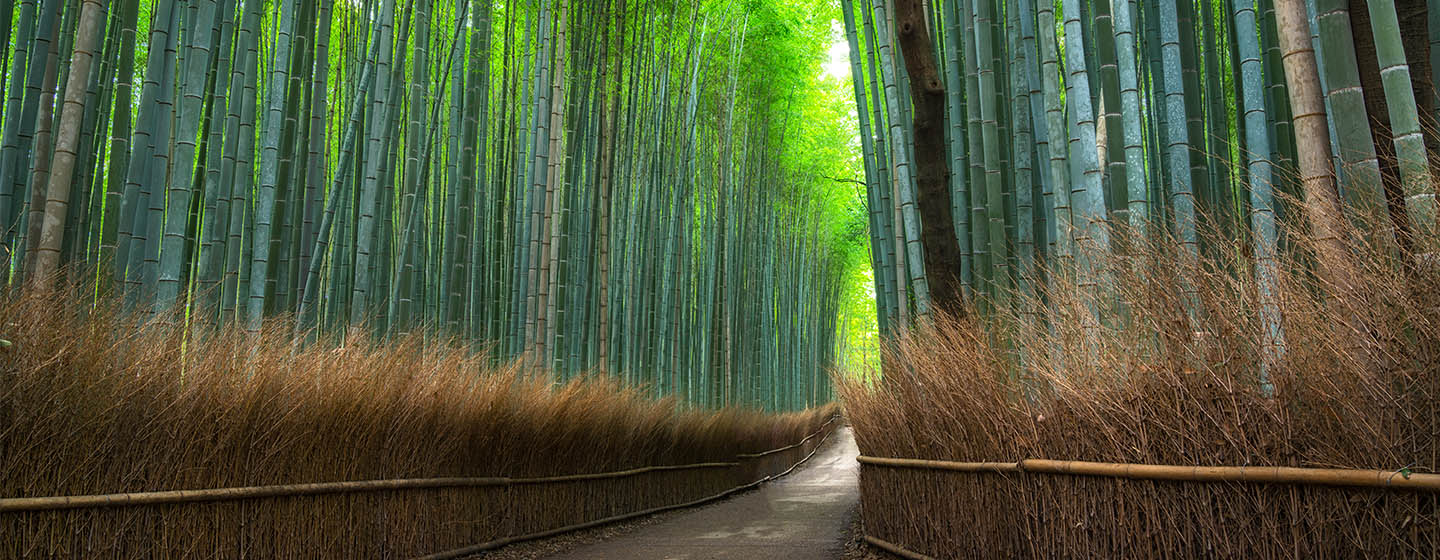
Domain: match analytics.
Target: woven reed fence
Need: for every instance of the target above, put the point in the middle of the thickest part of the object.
(1038, 508)
(429, 518)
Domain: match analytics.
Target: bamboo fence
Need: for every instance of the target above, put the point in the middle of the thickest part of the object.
(1026, 497)
(824, 432)
(747, 471)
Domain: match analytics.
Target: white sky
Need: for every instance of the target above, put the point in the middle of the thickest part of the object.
(839, 64)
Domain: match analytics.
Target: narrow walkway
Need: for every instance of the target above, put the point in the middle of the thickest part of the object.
(800, 517)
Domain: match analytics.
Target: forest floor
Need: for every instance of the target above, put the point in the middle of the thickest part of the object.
(808, 515)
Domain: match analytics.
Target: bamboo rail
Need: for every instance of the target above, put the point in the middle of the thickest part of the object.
(791, 446)
(896, 549)
(130, 499)
(939, 465)
(1424, 482)
(133, 499)
(1275, 475)
(310, 489)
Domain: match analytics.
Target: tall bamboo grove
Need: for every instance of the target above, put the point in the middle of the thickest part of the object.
(606, 185)
(1188, 122)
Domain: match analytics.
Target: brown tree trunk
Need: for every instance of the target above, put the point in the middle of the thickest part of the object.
(932, 181)
(1328, 229)
(1312, 139)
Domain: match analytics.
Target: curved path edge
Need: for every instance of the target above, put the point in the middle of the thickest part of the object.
(803, 516)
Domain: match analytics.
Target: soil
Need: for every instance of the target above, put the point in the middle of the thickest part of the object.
(855, 546)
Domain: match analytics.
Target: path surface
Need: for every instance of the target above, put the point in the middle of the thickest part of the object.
(801, 517)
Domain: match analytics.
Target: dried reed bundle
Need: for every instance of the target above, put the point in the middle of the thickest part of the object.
(94, 402)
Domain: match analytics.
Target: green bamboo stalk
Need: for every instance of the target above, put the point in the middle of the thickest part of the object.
(959, 187)
(22, 71)
(994, 211)
(378, 139)
(1137, 198)
(1262, 198)
(238, 171)
(172, 250)
(1360, 171)
(1415, 179)
(269, 169)
(1056, 128)
(1177, 146)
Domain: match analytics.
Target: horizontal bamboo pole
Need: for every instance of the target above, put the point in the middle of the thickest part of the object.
(492, 545)
(1275, 475)
(132, 499)
(619, 474)
(241, 493)
(1423, 482)
(940, 465)
(772, 451)
(896, 549)
(791, 446)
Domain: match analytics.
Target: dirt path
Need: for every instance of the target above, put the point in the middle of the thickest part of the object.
(802, 516)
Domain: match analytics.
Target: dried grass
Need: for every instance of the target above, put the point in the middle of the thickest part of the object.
(94, 402)
(1357, 387)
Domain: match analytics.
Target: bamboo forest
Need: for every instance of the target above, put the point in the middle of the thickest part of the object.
(655, 279)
